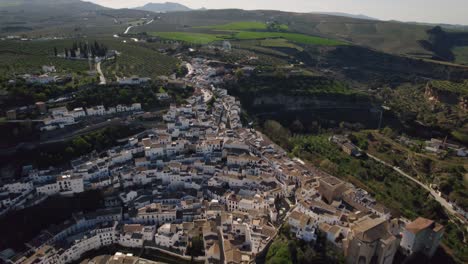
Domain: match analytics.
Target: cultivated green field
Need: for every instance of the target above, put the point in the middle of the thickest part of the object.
(279, 43)
(204, 38)
(139, 60)
(20, 57)
(248, 30)
(459, 88)
(393, 37)
(255, 47)
(298, 38)
(245, 25)
(190, 37)
(9, 4)
(461, 54)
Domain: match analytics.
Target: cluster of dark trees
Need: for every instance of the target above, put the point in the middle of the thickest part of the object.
(53, 211)
(275, 26)
(98, 140)
(84, 50)
(442, 42)
(286, 249)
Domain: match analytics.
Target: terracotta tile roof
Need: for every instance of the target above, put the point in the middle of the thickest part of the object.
(369, 229)
(419, 224)
(132, 228)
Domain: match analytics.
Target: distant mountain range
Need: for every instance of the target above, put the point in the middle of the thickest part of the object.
(48, 7)
(163, 7)
(446, 26)
(360, 16)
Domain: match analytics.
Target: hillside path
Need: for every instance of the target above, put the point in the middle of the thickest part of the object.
(102, 78)
(436, 196)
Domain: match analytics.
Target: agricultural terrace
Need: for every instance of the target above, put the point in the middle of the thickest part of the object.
(459, 88)
(279, 43)
(248, 30)
(20, 57)
(294, 37)
(190, 37)
(204, 38)
(137, 59)
(248, 26)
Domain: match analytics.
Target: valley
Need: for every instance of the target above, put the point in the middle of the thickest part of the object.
(230, 135)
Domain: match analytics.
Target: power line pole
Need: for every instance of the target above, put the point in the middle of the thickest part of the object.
(380, 119)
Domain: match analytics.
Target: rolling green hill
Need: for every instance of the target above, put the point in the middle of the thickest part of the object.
(163, 7)
(78, 18)
(416, 40)
(62, 18)
(247, 25)
(28, 57)
(392, 37)
(203, 38)
(48, 8)
(75, 17)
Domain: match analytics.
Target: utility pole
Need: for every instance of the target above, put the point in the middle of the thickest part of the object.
(380, 119)
(89, 57)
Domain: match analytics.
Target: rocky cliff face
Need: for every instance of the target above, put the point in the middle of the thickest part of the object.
(295, 103)
(436, 94)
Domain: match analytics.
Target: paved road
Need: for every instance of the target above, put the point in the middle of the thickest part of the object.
(128, 29)
(436, 196)
(62, 138)
(102, 78)
(190, 69)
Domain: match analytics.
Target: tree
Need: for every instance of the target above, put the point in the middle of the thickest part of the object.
(293, 251)
(370, 136)
(55, 51)
(297, 127)
(195, 247)
(278, 253)
(182, 71)
(239, 73)
(308, 256)
(40, 97)
(329, 166)
(81, 49)
(321, 242)
(81, 145)
(73, 53)
(353, 139)
(70, 151)
(277, 133)
(286, 230)
(388, 132)
(85, 51)
(427, 165)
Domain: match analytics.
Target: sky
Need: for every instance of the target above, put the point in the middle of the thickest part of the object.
(433, 11)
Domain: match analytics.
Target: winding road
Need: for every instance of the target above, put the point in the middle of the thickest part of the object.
(436, 196)
(128, 29)
(102, 78)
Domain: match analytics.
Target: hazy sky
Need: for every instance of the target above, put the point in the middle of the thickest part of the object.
(436, 11)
